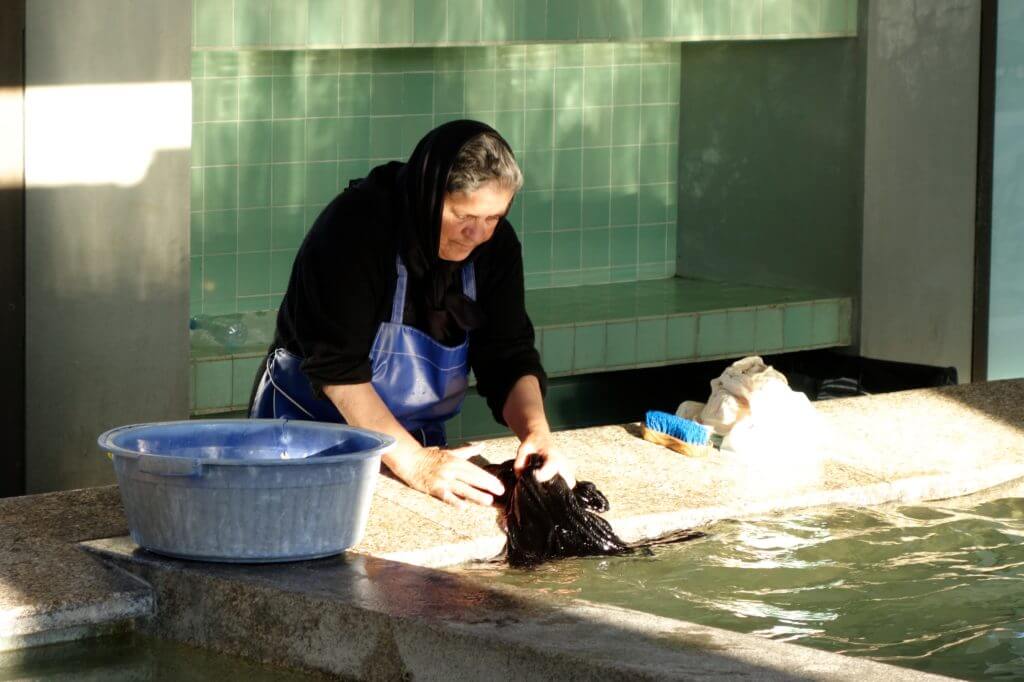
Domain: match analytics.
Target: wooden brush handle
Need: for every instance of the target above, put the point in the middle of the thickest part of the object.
(673, 443)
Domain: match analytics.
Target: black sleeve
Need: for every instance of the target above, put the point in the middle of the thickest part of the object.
(502, 350)
(333, 304)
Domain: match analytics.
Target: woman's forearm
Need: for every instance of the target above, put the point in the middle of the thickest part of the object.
(524, 408)
(361, 406)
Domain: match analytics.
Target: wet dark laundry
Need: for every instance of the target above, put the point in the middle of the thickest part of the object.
(545, 521)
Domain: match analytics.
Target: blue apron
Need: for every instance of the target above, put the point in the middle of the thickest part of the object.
(422, 382)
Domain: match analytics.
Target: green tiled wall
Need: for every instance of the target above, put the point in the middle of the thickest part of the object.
(365, 23)
(277, 134)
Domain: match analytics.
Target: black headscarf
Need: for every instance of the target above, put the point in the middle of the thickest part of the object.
(423, 184)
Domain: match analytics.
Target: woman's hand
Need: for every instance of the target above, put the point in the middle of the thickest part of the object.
(540, 443)
(446, 475)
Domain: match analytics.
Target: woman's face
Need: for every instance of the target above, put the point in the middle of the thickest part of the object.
(469, 219)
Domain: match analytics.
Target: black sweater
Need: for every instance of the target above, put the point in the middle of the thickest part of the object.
(343, 282)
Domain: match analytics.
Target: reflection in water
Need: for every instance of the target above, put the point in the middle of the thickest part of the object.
(926, 587)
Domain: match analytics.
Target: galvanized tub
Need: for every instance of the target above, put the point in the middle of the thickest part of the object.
(246, 490)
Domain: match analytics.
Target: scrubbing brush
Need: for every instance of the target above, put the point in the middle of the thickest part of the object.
(678, 434)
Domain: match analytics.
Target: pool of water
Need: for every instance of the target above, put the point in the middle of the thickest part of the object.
(931, 587)
(133, 657)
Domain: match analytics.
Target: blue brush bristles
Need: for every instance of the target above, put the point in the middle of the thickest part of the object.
(677, 427)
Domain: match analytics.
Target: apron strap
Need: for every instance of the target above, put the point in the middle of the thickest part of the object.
(398, 303)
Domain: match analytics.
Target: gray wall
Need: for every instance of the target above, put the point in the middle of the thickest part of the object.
(770, 163)
(107, 133)
(921, 104)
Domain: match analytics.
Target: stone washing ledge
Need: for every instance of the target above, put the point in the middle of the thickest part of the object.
(901, 447)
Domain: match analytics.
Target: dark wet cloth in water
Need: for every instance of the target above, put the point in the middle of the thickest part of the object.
(545, 521)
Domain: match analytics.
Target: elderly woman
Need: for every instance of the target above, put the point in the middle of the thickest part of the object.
(409, 278)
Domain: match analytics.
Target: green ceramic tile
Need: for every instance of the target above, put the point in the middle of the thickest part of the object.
(717, 19)
(568, 87)
(289, 96)
(595, 207)
(195, 233)
(593, 21)
(798, 326)
(558, 343)
(321, 183)
(351, 170)
(289, 140)
(651, 243)
(537, 253)
(289, 184)
(621, 342)
(479, 93)
(598, 86)
(220, 187)
(324, 25)
(540, 86)
(776, 17)
(253, 230)
(531, 20)
(654, 202)
(213, 384)
(681, 336)
(221, 99)
(538, 169)
(449, 91)
(252, 22)
(567, 210)
(396, 23)
(280, 269)
(851, 17)
(254, 186)
(464, 18)
(354, 137)
(595, 248)
(805, 16)
(360, 22)
(568, 168)
(254, 273)
(537, 280)
(322, 139)
(498, 19)
(254, 139)
(623, 245)
(198, 65)
(198, 100)
(243, 372)
(322, 96)
(221, 146)
(686, 19)
(221, 64)
(511, 94)
(288, 20)
(742, 326)
(713, 335)
(745, 17)
(354, 95)
(290, 62)
(658, 124)
(212, 23)
(419, 93)
(845, 321)
(324, 62)
(566, 250)
(563, 20)
(253, 303)
(477, 420)
(834, 15)
(537, 208)
(657, 18)
(651, 338)
(219, 278)
(256, 62)
(768, 335)
(254, 98)
(429, 21)
(510, 124)
(597, 126)
(654, 163)
(825, 327)
(413, 130)
(626, 125)
(623, 207)
(288, 227)
(589, 347)
(539, 129)
(196, 190)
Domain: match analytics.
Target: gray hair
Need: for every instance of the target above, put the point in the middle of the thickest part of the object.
(484, 158)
